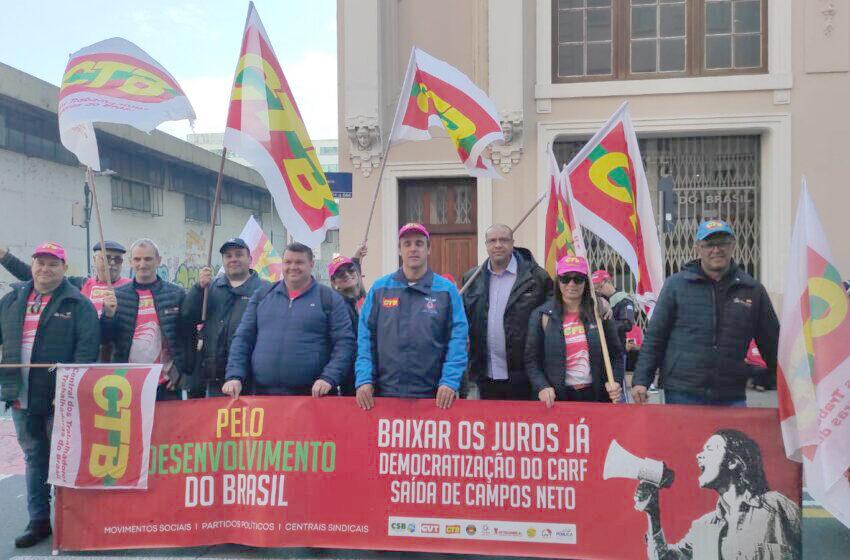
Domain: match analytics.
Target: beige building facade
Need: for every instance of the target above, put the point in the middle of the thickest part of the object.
(733, 102)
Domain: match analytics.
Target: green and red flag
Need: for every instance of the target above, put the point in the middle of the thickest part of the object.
(813, 380)
(265, 127)
(563, 236)
(436, 94)
(117, 82)
(610, 196)
(102, 425)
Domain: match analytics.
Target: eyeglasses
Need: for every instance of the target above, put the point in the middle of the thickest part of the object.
(342, 272)
(716, 243)
(577, 279)
(115, 260)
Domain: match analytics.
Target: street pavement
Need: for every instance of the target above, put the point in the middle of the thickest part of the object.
(824, 538)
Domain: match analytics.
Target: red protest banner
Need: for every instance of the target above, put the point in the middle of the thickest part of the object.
(508, 478)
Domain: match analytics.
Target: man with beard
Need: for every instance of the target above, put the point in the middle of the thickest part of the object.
(226, 302)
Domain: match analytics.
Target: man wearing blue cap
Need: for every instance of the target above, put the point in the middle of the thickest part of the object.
(701, 327)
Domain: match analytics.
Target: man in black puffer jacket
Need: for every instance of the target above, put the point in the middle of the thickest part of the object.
(701, 327)
(226, 302)
(498, 304)
(43, 321)
(142, 321)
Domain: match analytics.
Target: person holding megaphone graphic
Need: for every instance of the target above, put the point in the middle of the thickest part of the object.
(750, 522)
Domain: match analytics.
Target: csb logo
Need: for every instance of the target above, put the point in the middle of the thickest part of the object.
(113, 395)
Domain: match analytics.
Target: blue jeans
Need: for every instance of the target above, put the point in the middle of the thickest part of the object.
(33, 432)
(683, 397)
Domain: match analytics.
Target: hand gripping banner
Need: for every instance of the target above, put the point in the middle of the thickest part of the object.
(265, 127)
(579, 480)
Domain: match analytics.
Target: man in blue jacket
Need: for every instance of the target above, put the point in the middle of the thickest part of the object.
(412, 333)
(295, 337)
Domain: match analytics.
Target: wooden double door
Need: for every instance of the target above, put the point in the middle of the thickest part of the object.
(447, 207)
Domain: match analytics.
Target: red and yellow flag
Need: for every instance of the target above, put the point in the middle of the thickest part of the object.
(265, 127)
(610, 197)
(563, 237)
(102, 425)
(813, 380)
(436, 94)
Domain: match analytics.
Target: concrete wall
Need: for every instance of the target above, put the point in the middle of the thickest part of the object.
(36, 197)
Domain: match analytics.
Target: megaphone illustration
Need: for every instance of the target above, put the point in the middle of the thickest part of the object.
(620, 463)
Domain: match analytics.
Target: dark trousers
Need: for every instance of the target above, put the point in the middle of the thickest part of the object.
(585, 394)
(165, 394)
(33, 431)
(503, 390)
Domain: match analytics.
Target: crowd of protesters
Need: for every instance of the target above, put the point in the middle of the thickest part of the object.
(515, 333)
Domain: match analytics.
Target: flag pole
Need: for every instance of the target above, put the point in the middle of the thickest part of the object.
(213, 216)
(516, 227)
(103, 264)
(609, 373)
(378, 186)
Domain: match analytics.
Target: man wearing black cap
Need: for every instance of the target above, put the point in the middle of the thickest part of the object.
(94, 287)
(226, 302)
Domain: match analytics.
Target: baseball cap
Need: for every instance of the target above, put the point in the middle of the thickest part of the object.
(571, 263)
(110, 246)
(711, 227)
(337, 262)
(413, 227)
(600, 276)
(234, 243)
(50, 248)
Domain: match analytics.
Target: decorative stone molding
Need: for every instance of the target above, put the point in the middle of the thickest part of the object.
(508, 154)
(365, 146)
(828, 12)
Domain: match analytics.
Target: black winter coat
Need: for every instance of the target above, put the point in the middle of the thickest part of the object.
(532, 287)
(225, 307)
(119, 329)
(545, 352)
(700, 330)
(67, 332)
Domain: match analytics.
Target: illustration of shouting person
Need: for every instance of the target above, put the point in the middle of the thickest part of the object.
(750, 522)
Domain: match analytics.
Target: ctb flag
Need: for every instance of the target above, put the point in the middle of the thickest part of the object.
(563, 236)
(435, 93)
(102, 425)
(610, 197)
(115, 81)
(814, 364)
(265, 127)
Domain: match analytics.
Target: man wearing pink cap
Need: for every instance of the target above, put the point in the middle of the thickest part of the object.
(563, 352)
(411, 339)
(45, 320)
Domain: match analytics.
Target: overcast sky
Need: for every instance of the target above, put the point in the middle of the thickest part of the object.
(196, 41)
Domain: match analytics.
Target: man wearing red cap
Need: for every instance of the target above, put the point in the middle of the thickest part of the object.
(93, 287)
(412, 333)
(45, 320)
